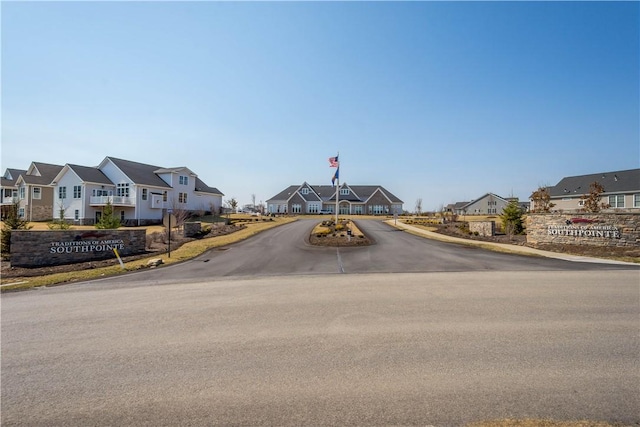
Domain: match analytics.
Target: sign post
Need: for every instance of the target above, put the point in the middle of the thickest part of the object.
(169, 211)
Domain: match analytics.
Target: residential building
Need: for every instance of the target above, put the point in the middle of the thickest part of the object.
(621, 190)
(139, 193)
(9, 189)
(35, 192)
(352, 200)
(488, 204)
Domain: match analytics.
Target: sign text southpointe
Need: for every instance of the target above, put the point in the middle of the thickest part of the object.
(604, 231)
(79, 246)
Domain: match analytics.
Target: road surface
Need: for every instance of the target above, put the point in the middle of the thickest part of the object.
(404, 332)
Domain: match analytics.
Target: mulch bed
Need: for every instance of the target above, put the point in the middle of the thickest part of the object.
(339, 240)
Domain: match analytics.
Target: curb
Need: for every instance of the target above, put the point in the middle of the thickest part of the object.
(502, 247)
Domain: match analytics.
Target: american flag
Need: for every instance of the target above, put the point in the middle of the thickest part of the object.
(333, 162)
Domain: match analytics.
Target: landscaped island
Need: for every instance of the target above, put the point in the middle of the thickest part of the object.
(342, 233)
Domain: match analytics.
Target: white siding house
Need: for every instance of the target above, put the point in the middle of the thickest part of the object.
(140, 194)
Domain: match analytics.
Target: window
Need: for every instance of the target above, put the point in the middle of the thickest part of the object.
(122, 190)
(636, 200)
(617, 201)
(122, 216)
(182, 197)
(184, 180)
(164, 196)
(305, 191)
(21, 213)
(296, 208)
(377, 209)
(62, 192)
(314, 207)
(22, 193)
(101, 193)
(77, 191)
(76, 214)
(37, 193)
(344, 191)
(144, 194)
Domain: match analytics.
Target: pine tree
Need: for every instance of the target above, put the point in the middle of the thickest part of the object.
(512, 218)
(11, 222)
(108, 220)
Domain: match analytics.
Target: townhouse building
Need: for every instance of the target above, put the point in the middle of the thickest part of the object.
(621, 190)
(488, 204)
(140, 194)
(35, 191)
(9, 193)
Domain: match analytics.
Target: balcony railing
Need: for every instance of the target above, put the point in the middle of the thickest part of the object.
(114, 200)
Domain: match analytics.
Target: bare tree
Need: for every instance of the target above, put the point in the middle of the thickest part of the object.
(541, 200)
(232, 203)
(179, 213)
(591, 201)
(419, 206)
(60, 223)
(253, 201)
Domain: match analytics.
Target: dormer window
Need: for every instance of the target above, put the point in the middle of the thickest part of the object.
(305, 191)
(184, 180)
(344, 191)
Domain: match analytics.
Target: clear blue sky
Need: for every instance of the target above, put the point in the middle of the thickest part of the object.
(443, 101)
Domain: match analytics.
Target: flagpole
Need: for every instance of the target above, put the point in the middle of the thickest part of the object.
(337, 187)
(337, 193)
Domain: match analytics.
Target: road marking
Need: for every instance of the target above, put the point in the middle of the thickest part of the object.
(340, 266)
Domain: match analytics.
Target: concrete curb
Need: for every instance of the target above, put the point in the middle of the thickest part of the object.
(502, 247)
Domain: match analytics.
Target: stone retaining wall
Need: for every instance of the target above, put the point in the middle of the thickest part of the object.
(601, 229)
(192, 229)
(43, 248)
(483, 228)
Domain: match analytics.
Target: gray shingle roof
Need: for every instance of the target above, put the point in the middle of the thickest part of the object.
(90, 174)
(613, 182)
(286, 193)
(140, 173)
(359, 193)
(15, 173)
(47, 173)
(201, 186)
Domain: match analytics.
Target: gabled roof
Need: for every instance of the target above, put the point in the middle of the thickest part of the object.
(286, 193)
(86, 174)
(139, 173)
(358, 193)
(40, 173)
(325, 192)
(366, 191)
(10, 177)
(178, 169)
(311, 196)
(460, 205)
(483, 197)
(613, 182)
(204, 188)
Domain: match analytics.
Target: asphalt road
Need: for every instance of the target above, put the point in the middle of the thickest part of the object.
(284, 251)
(463, 335)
